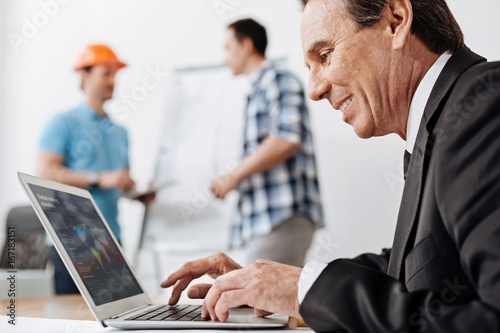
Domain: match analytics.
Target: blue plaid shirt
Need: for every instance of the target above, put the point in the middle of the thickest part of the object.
(276, 107)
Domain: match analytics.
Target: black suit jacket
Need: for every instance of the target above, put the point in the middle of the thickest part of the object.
(443, 272)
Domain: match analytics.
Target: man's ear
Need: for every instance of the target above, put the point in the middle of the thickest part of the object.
(83, 78)
(248, 45)
(399, 14)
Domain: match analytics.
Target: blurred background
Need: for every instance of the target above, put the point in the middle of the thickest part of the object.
(360, 180)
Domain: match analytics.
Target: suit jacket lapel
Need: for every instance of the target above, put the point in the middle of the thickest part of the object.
(413, 189)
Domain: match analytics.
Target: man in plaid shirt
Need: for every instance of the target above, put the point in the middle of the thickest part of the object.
(279, 206)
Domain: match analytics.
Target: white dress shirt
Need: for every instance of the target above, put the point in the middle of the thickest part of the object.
(419, 100)
(313, 269)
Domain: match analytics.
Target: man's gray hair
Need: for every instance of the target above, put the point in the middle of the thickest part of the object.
(433, 21)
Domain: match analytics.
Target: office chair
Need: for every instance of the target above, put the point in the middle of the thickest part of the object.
(34, 277)
(30, 249)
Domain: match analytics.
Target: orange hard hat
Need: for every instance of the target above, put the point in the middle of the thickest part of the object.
(96, 54)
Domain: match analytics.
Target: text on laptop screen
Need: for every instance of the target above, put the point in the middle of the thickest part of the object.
(88, 244)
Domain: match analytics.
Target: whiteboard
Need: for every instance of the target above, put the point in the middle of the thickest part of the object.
(202, 136)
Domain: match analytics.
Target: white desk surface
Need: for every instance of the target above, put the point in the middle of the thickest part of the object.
(43, 325)
(70, 314)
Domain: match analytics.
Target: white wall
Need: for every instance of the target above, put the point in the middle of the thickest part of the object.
(3, 15)
(3, 117)
(360, 200)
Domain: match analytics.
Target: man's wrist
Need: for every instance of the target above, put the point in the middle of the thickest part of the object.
(310, 273)
(236, 175)
(93, 179)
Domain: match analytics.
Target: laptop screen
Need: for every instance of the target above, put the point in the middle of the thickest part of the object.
(88, 244)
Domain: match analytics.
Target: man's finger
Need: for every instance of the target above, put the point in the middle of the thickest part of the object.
(205, 314)
(230, 298)
(174, 277)
(178, 288)
(209, 304)
(217, 192)
(194, 269)
(223, 194)
(262, 313)
(213, 188)
(230, 281)
(199, 290)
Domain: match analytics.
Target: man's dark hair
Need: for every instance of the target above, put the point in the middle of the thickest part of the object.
(253, 30)
(433, 21)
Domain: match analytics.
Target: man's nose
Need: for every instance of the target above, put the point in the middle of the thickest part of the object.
(319, 88)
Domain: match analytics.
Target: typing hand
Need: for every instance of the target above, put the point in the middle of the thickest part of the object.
(214, 266)
(267, 286)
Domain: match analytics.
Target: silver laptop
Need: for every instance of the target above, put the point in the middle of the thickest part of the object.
(106, 281)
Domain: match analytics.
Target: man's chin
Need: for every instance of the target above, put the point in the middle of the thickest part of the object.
(107, 98)
(363, 132)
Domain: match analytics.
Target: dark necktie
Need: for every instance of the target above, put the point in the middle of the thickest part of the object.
(407, 158)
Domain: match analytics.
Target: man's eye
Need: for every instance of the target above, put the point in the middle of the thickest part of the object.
(324, 56)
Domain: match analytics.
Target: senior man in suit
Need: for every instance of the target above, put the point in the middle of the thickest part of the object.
(396, 66)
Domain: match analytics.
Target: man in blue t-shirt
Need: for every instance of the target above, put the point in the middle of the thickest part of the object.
(84, 148)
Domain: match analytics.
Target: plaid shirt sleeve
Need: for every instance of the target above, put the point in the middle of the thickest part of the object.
(287, 102)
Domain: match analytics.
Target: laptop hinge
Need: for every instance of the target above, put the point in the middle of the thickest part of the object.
(129, 311)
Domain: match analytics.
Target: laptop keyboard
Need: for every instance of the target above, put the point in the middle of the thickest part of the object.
(171, 313)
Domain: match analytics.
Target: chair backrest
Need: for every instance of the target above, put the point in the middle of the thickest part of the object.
(30, 252)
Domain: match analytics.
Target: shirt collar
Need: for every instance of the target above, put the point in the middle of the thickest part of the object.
(419, 100)
(87, 111)
(255, 76)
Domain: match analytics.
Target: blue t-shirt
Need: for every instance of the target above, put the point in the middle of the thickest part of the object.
(90, 143)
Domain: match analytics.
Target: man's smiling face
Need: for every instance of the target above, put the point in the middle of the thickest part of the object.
(350, 67)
